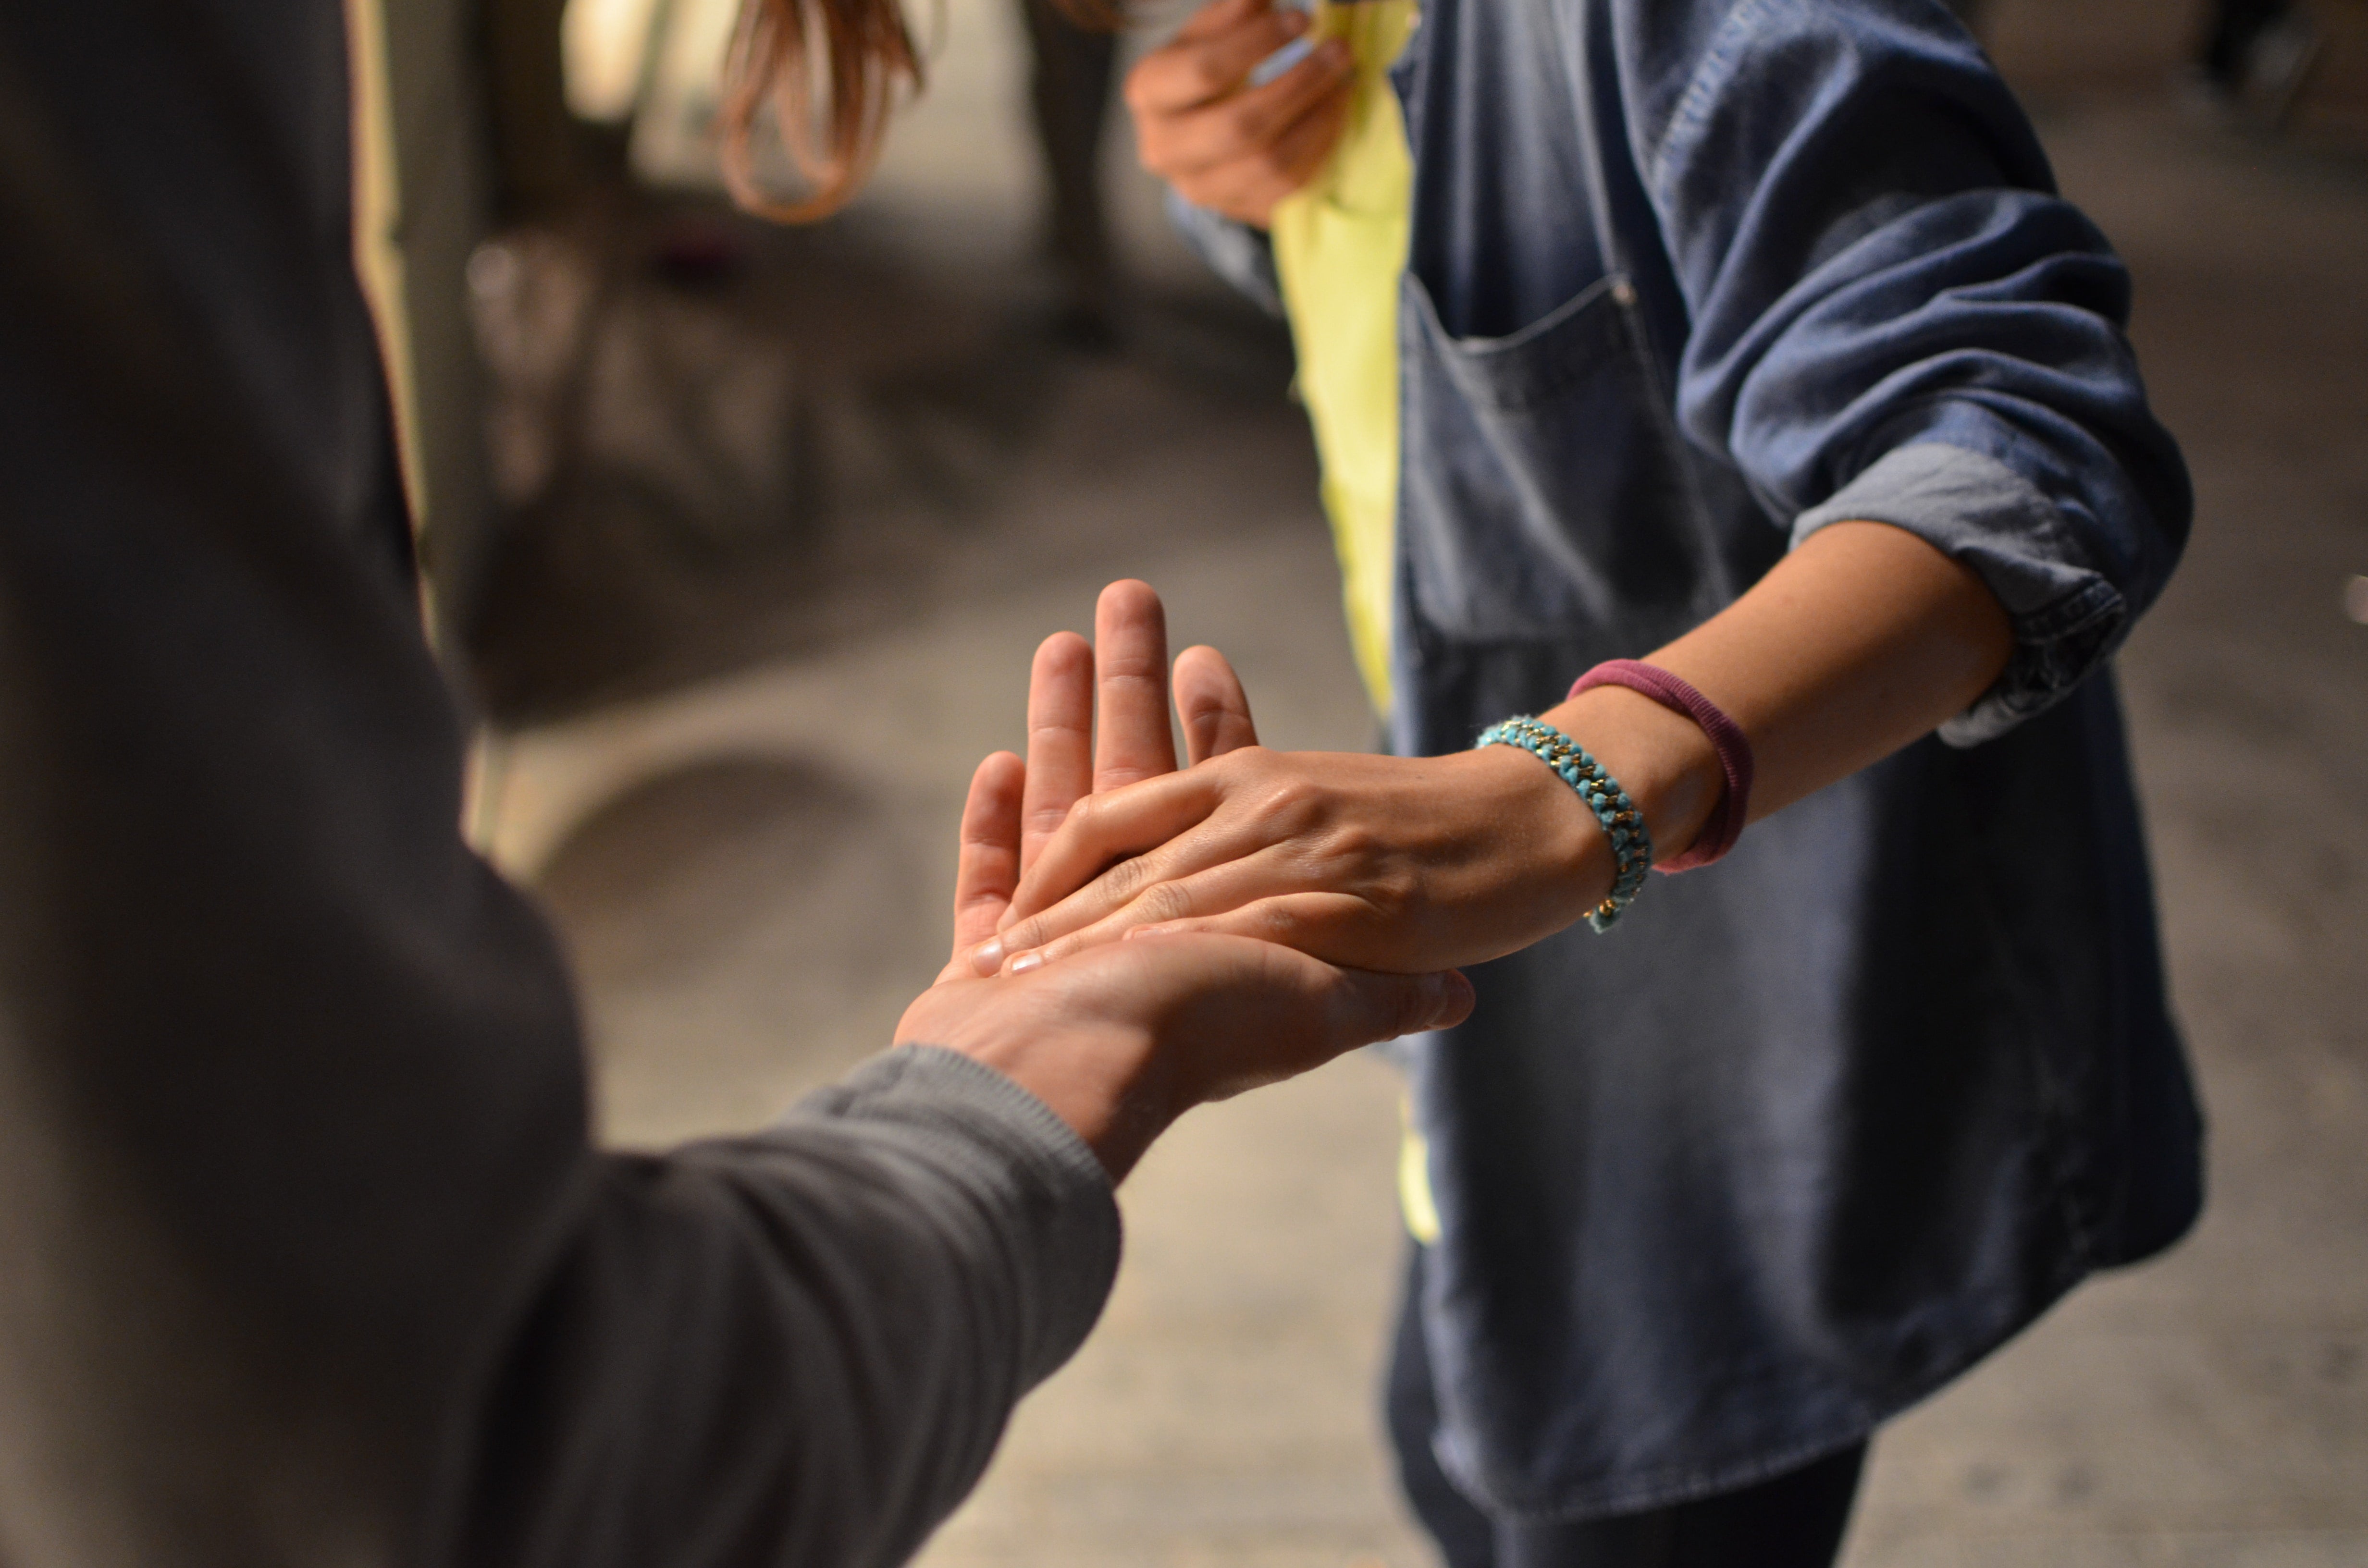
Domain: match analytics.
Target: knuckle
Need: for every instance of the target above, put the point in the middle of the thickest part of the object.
(1204, 75)
(1352, 846)
(1287, 805)
(1167, 900)
(1245, 123)
(1391, 894)
(1127, 878)
(1277, 922)
(1410, 1011)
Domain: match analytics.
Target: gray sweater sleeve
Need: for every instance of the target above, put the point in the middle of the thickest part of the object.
(798, 1347)
(305, 1255)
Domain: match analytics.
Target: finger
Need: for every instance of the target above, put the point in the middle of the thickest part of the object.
(986, 862)
(1301, 1012)
(1188, 140)
(1215, 897)
(1132, 739)
(1105, 829)
(1247, 187)
(1210, 56)
(1060, 739)
(1147, 816)
(1367, 1008)
(1212, 705)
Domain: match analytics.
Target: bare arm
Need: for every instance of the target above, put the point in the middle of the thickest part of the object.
(1862, 639)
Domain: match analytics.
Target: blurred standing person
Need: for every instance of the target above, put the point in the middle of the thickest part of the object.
(306, 1254)
(2233, 46)
(535, 139)
(1073, 55)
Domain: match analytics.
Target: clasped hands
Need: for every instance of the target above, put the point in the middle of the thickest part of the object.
(1297, 905)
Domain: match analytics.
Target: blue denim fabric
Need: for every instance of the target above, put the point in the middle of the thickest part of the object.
(1818, 1126)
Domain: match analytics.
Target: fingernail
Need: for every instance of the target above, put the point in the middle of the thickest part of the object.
(1027, 961)
(987, 957)
(1280, 61)
(1449, 994)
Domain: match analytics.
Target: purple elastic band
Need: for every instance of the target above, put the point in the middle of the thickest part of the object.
(1726, 824)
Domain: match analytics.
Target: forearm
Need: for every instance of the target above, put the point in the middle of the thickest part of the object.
(1861, 641)
(796, 1347)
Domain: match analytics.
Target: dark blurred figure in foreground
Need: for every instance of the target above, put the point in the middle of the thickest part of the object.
(305, 1256)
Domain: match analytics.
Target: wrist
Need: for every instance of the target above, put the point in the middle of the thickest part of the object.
(1108, 1081)
(1662, 759)
(1558, 848)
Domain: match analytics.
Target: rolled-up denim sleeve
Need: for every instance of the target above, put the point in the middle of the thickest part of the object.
(1240, 255)
(1892, 318)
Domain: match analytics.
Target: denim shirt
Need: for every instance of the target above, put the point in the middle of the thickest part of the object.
(1819, 1126)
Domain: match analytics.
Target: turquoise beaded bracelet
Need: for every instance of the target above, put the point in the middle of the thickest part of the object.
(1631, 847)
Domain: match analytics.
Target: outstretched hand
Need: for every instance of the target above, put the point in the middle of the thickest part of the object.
(1121, 1040)
(1859, 641)
(1097, 720)
(1388, 863)
(1404, 864)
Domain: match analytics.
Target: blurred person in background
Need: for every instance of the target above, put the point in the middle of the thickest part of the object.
(305, 1253)
(1738, 359)
(1071, 69)
(2262, 48)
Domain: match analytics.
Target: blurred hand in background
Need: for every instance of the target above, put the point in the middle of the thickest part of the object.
(1220, 140)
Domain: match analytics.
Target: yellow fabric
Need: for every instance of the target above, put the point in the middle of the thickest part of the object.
(1340, 249)
(1415, 1204)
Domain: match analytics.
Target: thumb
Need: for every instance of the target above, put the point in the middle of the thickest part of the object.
(1368, 1008)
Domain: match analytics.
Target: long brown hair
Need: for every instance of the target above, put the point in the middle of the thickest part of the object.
(867, 59)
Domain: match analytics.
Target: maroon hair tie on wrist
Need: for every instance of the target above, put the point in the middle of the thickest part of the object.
(1726, 824)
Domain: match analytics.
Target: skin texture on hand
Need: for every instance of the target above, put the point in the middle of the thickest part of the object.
(1124, 1039)
(1391, 859)
(1226, 145)
(1862, 639)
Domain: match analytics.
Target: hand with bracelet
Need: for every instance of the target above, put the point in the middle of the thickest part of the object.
(1862, 639)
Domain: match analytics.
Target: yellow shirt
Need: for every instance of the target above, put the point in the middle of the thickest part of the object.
(1339, 250)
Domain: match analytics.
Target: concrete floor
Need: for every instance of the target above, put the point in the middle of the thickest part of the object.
(740, 711)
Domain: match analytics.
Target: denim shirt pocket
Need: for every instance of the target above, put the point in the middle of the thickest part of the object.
(1543, 493)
